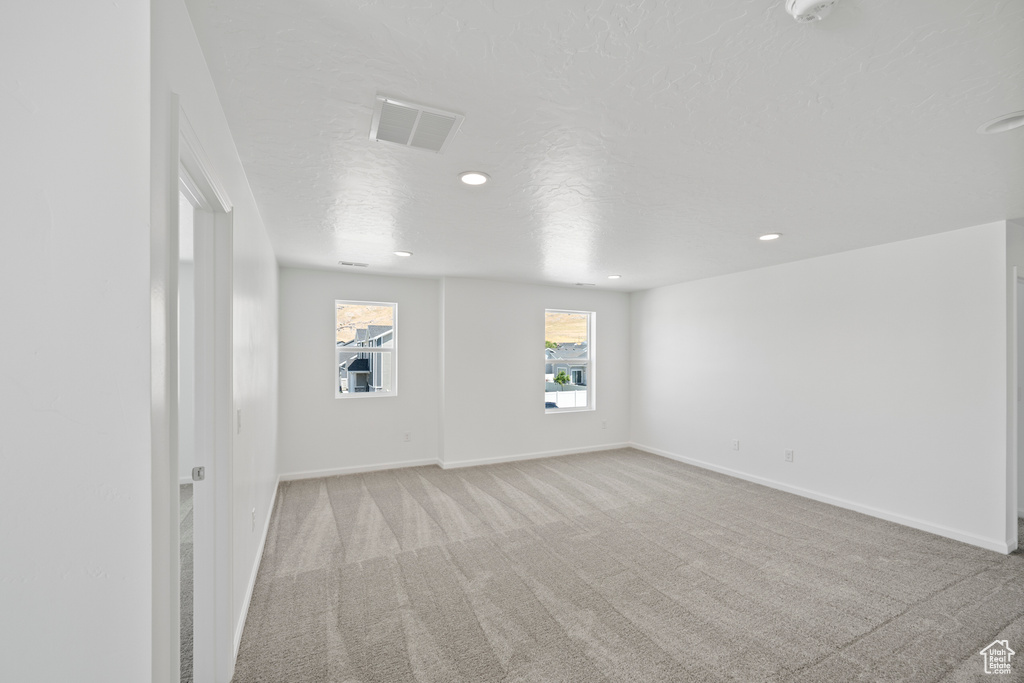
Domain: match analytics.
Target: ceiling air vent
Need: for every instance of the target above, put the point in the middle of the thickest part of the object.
(413, 125)
(353, 264)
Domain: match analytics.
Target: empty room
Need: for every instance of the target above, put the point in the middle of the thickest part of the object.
(305, 256)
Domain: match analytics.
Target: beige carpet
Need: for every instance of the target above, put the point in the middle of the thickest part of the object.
(186, 557)
(613, 566)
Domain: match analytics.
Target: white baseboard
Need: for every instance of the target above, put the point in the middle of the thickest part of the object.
(972, 539)
(356, 469)
(240, 626)
(530, 456)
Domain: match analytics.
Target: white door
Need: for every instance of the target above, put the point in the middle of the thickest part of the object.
(205, 356)
(1020, 398)
(186, 433)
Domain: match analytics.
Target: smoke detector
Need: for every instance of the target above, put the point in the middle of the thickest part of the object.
(805, 11)
(413, 125)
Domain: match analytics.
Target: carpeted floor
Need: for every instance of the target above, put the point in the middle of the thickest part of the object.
(185, 547)
(612, 566)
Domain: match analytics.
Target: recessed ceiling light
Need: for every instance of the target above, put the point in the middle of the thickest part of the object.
(805, 11)
(1003, 123)
(403, 253)
(770, 236)
(474, 177)
(614, 277)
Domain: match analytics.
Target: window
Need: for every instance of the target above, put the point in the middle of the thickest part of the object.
(568, 360)
(365, 346)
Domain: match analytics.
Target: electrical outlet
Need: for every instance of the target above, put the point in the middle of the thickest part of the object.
(253, 523)
(789, 456)
(604, 424)
(407, 436)
(735, 444)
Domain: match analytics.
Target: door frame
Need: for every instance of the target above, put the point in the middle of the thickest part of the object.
(213, 648)
(1015, 461)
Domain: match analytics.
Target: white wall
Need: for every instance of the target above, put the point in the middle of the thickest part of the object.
(883, 368)
(75, 568)
(493, 336)
(494, 339)
(321, 434)
(178, 67)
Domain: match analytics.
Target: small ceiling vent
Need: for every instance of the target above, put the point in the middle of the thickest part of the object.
(413, 125)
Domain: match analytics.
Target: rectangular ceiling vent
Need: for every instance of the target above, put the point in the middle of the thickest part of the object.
(413, 125)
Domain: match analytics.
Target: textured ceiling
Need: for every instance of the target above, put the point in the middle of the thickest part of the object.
(652, 139)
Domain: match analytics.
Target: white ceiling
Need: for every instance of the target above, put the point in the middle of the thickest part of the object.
(655, 139)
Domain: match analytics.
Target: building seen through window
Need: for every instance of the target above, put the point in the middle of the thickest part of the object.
(568, 360)
(365, 347)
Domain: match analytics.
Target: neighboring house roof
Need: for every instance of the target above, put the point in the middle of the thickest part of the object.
(364, 335)
(552, 364)
(566, 351)
(359, 365)
(374, 331)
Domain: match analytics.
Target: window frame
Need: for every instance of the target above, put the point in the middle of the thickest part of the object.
(392, 351)
(591, 362)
